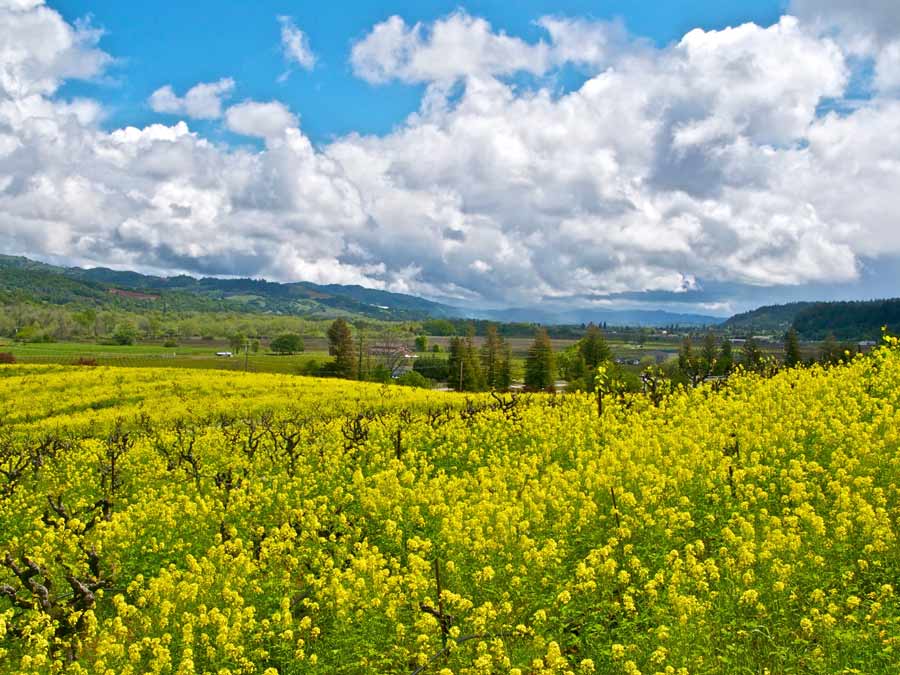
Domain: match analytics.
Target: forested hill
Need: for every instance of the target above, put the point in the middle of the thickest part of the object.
(849, 320)
(27, 280)
(768, 319)
(857, 320)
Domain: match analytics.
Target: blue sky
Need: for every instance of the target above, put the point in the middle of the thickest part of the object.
(695, 155)
(185, 43)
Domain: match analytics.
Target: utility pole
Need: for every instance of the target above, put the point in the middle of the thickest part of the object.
(460, 375)
(246, 355)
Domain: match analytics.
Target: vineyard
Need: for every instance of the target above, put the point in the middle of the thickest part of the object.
(179, 522)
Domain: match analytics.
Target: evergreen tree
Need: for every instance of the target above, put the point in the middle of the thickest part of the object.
(709, 354)
(540, 365)
(504, 372)
(725, 363)
(473, 378)
(594, 348)
(491, 356)
(792, 355)
(340, 346)
(455, 363)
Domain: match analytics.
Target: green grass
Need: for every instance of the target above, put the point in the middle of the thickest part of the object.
(202, 356)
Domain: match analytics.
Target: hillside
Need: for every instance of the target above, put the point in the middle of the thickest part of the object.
(770, 320)
(861, 320)
(285, 525)
(27, 279)
(611, 317)
(849, 320)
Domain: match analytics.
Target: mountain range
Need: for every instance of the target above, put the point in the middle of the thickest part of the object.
(25, 278)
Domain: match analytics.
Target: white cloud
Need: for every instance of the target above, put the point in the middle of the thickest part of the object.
(453, 47)
(38, 50)
(202, 101)
(295, 45)
(701, 161)
(866, 28)
(263, 120)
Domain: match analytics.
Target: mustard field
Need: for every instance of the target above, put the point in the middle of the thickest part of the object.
(174, 521)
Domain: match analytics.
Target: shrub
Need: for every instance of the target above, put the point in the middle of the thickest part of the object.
(86, 361)
(7, 357)
(413, 379)
(170, 343)
(433, 368)
(288, 343)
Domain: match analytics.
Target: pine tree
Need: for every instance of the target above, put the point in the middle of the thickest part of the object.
(725, 363)
(709, 354)
(792, 355)
(540, 365)
(504, 372)
(455, 363)
(340, 346)
(491, 356)
(594, 348)
(473, 378)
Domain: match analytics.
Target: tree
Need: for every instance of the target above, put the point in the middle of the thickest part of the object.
(464, 365)
(421, 343)
(691, 364)
(433, 368)
(473, 377)
(832, 352)
(540, 365)
(413, 379)
(124, 333)
(792, 356)
(455, 363)
(289, 343)
(340, 346)
(237, 342)
(504, 372)
(594, 349)
(752, 355)
(709, 354)
(494, 360)
(725, 362)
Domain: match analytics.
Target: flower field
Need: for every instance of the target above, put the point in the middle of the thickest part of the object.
(169, 521)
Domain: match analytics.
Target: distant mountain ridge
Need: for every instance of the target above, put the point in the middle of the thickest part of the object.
(845, 320)
(100, 285)
(611, 317)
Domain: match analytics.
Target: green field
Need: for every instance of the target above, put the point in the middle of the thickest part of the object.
(191, 355)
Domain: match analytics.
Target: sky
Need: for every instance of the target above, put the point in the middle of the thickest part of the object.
(695, 156)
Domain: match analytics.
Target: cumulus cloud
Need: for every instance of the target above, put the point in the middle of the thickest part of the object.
(263, 120)
(295, 45)
(706, 161)
(202, 101)
(865, 28)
